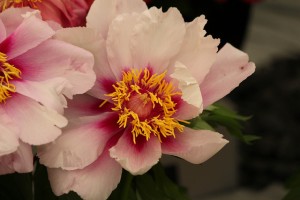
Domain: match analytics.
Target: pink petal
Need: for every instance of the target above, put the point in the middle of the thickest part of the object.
(95, 182)
(2, 31)
(55, 58)
(29, 34)
(230, 68)
(9, 134)
(89, 39)
(81, 142)
(86, 105)
(157, 38)
(195, 146)
(12, 18)
(102, 12)
(49, 93)
(37, 124)
(190, 93)
(198, 52)
(20, 161)
(136, 158)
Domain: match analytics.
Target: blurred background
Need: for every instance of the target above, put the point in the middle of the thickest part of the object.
(269, 31)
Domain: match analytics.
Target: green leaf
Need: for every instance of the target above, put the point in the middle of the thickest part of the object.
(147, 188)
(294, 194)
(171, 190)
(199, 124)
(16, 186)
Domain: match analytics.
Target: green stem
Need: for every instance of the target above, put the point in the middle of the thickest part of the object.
(126, 188)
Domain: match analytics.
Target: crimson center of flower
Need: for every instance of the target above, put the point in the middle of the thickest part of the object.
(4, 4)
(7, 73)
(145, 103)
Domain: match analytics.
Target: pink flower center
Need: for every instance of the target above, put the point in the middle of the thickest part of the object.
(4, 4)
(7, 73)
(145, 103)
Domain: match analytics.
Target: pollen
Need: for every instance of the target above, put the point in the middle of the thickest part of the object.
(4, 4)
(145, 103)
(7, 73)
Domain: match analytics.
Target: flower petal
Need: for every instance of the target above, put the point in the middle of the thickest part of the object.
(37, 124)
(118, 43)
(89, 39)
(13, 17)
(2, 31)
(102, 12)
(29, 34)
(20, 161)
(49, 93)
(136, 158)
(95, 182)
(58, 59)
(157, 38)
(81, 142)
(230, 68)
(198, 52)
(195, 146)
(190, 93)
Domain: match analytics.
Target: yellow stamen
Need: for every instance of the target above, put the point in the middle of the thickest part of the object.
(7, 73)
(145, 101)
(4, 4)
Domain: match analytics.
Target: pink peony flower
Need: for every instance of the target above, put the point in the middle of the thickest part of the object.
(154, 72)
(68, 13)
(36, 73)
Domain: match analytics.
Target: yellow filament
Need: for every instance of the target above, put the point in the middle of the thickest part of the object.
(4, 4)
(7, 73)
(158, 91)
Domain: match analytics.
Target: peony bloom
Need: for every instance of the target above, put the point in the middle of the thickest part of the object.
(68, 13)
(154, 72)
(36, 73)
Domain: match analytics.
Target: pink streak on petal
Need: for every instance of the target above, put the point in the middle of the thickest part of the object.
(136, 158)
(95, 181)
(29, 34)
(195, 146)
(2, 31)
(80, 144)
(229, 70)
(38, 125)
(20, 161)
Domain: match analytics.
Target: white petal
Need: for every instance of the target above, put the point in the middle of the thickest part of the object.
(102, 12)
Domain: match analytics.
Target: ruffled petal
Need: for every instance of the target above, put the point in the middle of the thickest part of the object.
(9, 141)
(230, 68)
(157, 38)
(29, 34)
(191, 96)
(81, 142)
(198, 52)
(55, 58)
(136, 158)
(37, 124)
(89, 39)
(49, 93)
(195, 146)
(102, 12)
(20, 161)
(95, 182)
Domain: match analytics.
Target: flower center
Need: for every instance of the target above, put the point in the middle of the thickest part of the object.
(146, 102)
(7, 73)
(4, 4)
